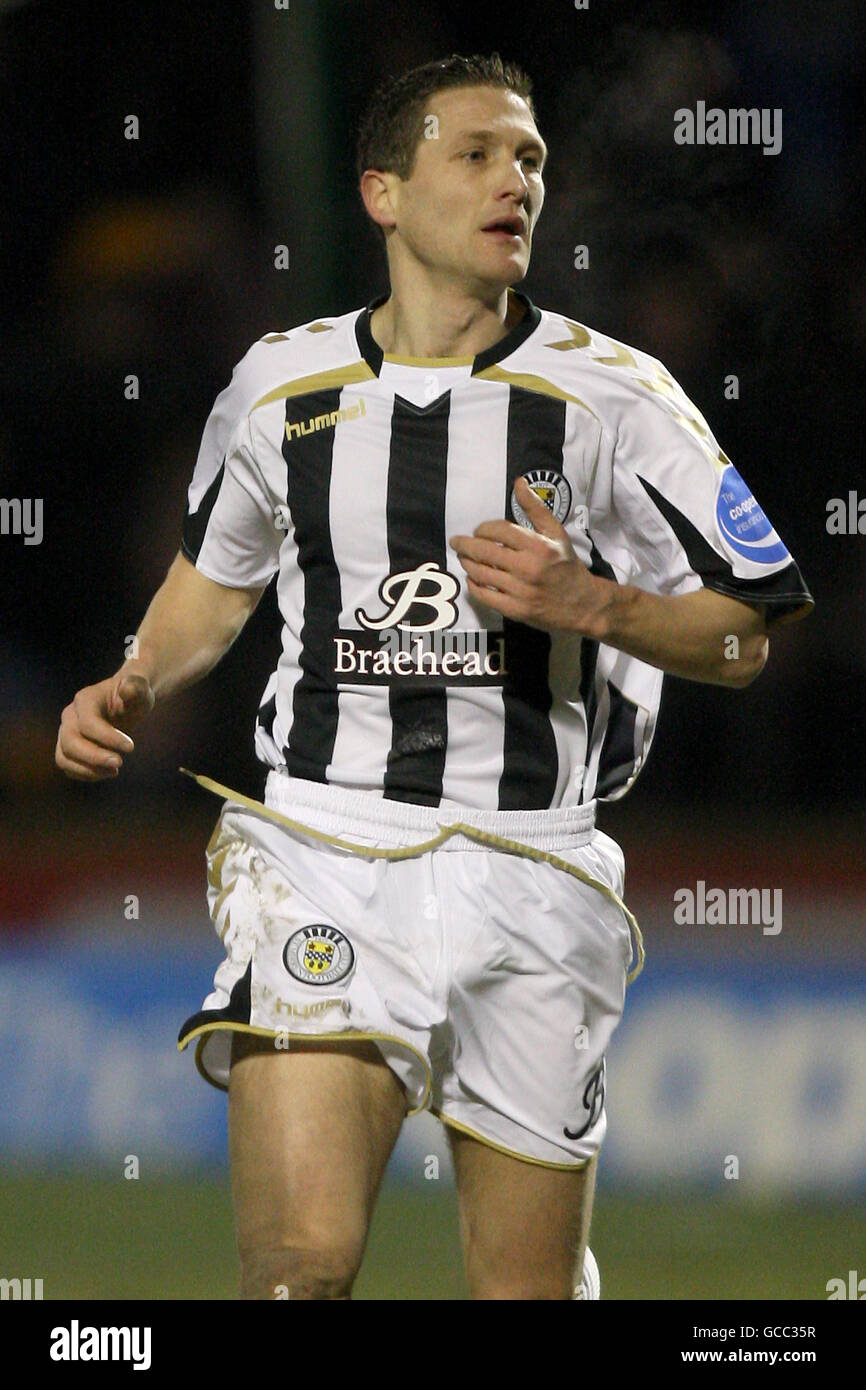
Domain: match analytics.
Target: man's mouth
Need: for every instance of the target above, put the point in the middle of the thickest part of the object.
(506, 228)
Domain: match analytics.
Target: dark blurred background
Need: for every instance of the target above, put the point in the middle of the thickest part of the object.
(155, 257)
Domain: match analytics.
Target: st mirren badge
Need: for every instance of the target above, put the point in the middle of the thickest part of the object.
(553, 490)
(318, 955)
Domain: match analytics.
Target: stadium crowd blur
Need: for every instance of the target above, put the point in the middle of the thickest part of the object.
(156, 258)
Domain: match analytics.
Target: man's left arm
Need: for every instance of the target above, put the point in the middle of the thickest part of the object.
(704, 636)
(535, 577)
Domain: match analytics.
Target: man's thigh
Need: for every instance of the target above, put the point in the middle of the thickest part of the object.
(524, 1227)
(310, 1133)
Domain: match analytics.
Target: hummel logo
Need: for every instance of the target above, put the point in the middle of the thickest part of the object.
(326, 421)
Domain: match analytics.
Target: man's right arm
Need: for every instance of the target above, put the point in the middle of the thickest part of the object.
(190, 624)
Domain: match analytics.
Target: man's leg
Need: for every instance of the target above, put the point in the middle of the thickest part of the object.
(311, 1130)
(523, 1227)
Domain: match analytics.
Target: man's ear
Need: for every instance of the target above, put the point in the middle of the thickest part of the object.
(377, 191)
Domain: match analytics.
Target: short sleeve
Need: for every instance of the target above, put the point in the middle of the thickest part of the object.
(231, 527)
(686, 518)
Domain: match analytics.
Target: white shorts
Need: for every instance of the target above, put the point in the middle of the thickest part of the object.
(491, 981)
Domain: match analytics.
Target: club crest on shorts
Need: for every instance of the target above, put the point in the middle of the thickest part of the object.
(318, 955)
(553, 490)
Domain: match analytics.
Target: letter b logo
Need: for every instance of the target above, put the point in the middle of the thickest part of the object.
(401, 593)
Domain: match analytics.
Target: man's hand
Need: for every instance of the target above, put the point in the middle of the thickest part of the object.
(93, 727)
(536, 578)
(190, 625)
(532, 576)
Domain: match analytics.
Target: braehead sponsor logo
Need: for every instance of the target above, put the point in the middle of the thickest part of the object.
(415, 641)
(401, 656)
(744, 526)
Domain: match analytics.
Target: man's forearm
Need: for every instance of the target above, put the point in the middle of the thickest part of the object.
(173, 660)
(703, 636)
(188, 628)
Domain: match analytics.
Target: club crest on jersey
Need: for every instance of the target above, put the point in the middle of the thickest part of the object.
(553, 490)
(318, 955)
(745, 528)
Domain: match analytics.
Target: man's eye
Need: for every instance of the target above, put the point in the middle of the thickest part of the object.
(531, 160)
(470, 154)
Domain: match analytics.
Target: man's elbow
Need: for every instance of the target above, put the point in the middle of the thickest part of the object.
(749, 662)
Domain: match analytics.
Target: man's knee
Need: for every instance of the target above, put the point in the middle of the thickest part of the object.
(300, 1271)
(518, 1281)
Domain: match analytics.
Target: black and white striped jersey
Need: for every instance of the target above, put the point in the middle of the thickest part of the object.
(344, 471)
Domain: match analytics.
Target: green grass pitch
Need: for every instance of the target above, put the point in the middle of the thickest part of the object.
(104, 1237)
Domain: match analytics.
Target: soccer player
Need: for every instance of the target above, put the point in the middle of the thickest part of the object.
(493, 529)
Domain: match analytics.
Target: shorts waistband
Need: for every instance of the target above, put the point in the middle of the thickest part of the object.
(328, 808)
(407, 819)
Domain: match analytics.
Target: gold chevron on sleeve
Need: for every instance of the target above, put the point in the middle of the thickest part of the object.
(530, 382)
(621, 357)
(580, 337)
(319, 381)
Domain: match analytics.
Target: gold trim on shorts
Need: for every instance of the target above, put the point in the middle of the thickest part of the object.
(511, 1153)
(411, 851)
(350, 1035)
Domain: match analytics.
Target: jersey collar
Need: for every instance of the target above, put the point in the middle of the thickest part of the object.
(374, 357)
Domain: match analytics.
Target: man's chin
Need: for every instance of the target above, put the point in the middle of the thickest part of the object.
(503, 277)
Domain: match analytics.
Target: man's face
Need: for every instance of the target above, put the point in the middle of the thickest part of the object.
(477, 166)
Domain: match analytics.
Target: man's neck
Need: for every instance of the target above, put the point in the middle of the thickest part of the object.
(443, 322)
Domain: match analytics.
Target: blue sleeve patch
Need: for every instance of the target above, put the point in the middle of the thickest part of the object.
(745, 527)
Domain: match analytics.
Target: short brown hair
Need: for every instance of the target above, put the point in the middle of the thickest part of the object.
(392, 127)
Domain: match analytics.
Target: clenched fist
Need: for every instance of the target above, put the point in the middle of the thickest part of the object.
(93, 728)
